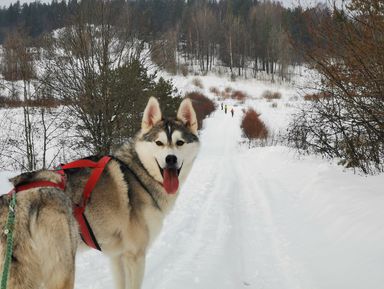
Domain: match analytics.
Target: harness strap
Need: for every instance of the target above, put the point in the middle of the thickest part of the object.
(90, 185)
(98, 167)
(38, 184)
(86, 231)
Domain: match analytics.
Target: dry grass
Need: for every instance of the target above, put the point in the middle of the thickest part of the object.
(202, 105)
(253, 127)
(269, 95)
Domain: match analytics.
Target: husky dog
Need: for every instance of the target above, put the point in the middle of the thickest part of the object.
(45, 235)
(136, 190)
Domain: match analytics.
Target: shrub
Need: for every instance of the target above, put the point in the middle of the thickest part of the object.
(271, 95)
(215, 91)
(226, 93)
(316, 96)
(276, 95)
(197, 82)
(239, 95)
(253, 127)
(184, 69)
(348, 124)
(202, 105)
(228, 89)
(334, 130)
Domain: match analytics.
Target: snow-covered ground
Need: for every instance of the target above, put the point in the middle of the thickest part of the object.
(260, 218)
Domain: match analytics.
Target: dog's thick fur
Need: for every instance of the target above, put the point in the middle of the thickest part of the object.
(126, 209)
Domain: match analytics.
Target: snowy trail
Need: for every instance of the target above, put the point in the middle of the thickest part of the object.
(231, 241)
(261, 219)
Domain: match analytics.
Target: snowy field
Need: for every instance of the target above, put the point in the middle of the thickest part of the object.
(260, 218)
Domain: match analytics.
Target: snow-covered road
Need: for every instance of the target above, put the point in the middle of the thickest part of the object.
(223, 225)
(262, 218)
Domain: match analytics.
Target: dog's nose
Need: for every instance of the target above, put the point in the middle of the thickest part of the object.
(171, 160)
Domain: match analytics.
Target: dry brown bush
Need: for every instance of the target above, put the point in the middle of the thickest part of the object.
(271, 95)
(253, 127)
(239, 95)
(202, 105)
(316, 96)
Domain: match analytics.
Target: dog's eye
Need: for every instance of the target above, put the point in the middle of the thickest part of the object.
(179, 143)
(159, 143)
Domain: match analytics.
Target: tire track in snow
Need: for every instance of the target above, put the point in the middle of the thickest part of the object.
(255, 197)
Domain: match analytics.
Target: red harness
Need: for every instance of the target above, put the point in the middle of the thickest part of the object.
(98, 167)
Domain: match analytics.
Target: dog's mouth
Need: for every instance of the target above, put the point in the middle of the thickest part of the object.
(170, 178)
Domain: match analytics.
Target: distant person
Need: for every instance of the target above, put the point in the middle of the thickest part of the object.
(221, 106)
(225, 108)
(232, 111)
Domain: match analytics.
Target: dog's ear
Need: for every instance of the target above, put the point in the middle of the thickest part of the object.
(152, 114)
(187, 115)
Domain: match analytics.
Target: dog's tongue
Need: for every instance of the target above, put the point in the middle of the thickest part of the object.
(171, 180)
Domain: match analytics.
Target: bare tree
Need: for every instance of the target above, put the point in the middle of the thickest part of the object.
(83, 59)
(96, 66)
(18, 65)
(347, 119)
(205, 26)
(164, 50)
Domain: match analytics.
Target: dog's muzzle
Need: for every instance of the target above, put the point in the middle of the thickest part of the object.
(170, 174)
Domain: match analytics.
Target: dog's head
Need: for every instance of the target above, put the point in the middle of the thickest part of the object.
(168, 147)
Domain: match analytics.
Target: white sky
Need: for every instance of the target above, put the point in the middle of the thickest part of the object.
(285, 2)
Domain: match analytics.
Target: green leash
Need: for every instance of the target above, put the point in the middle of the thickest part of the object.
(9, 232)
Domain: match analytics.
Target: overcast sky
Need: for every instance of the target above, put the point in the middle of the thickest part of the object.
(285, 2)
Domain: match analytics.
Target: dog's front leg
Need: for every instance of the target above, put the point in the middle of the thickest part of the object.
(118, 271)
(134, 266)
